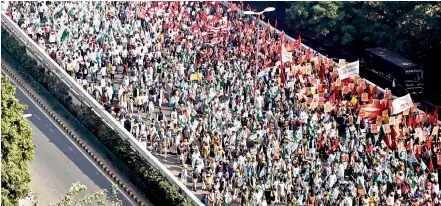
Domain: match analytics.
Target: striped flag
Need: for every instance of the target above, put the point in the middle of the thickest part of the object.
(70, 12)
(101, 37)
(64, 35)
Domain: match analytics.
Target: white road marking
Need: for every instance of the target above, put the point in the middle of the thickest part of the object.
(70, 148)
(51, 130)
(71, 141)
(37, 117)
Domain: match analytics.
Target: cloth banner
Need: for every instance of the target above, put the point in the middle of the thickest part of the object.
(370, 110)
(401, 104)
(349, 70)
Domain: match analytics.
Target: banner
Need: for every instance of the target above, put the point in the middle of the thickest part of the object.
(349, 70)
(401, 104)
(370, 110)
(286, 56)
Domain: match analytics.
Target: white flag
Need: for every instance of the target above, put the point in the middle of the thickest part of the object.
(401, 104)
(286, 56)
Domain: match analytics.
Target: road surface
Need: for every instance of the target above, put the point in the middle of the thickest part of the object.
(58, 161)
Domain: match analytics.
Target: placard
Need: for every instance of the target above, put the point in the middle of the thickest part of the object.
(328, 107)
(312, 80)
(349, 70)
(364, 97)
(363, 84)
(330, 63)
(374, 128)
(379, 120)
(386, 128)
(345, 90)
(401, 104)
(406, 112)
(321, 101)
(414, 108)
(320, 87)
(341, 62)
(435, 130)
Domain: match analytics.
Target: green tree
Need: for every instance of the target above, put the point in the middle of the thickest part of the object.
(97, 198)
(17, 147)
(411, 28)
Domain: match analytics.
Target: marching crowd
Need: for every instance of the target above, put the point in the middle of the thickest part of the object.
(248, 126)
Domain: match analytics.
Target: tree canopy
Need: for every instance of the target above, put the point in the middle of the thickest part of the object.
(411, 28)
(97, 198)
(17, 147)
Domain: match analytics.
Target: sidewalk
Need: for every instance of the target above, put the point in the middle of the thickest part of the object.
(74, 130)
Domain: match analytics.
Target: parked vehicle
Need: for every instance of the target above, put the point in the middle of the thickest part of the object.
(408, 76)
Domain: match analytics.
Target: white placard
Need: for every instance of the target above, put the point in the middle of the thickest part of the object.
(402, 104)
(349, 70)
(286, 56)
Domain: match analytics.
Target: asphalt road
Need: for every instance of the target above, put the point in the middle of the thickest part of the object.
(58, 162)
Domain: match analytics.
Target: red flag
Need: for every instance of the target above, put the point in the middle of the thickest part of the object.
(409, 120)
(435, 114)
(333, 146)
(282, 71)
(387, 140)
(431, 169)
(409, 145)
(374, 90)
(417, 152)
(299, 41)
(275, 24)
(428, 144)
(308, 54)
(394, 139)
(281, 41)
(370, 110)
(403, 188)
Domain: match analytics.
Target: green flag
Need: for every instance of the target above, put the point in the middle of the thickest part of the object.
(70, 12)
(80, 42)
(64, 35)
(102, 38)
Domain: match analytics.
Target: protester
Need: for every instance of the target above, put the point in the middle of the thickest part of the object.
(291, 133)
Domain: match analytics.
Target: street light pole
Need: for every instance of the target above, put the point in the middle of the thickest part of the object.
(269, 9)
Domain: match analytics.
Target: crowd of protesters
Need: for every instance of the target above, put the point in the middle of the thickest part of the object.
(246, 130)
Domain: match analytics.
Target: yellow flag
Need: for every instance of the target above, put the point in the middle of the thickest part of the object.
(354, 100)
(194, 76)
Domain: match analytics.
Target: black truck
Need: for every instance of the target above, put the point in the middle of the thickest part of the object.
(384, 66)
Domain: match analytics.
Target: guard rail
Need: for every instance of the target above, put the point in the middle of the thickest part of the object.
(43, 58)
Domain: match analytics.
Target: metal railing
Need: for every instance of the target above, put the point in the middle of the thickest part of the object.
(41, 56)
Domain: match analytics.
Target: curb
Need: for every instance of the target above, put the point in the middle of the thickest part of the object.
(75, 137)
